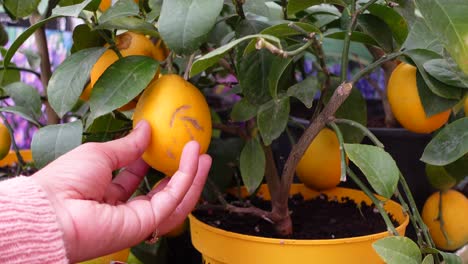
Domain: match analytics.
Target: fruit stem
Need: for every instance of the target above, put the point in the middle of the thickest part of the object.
(364, 129)
(415, 211)
(189, 67)
(407, 211)
(343, 164)
(369, 68)
(441, 219)
(239, 7)
(377, 202)
(21, 162)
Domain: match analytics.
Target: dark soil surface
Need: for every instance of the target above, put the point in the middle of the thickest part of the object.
(312, 219)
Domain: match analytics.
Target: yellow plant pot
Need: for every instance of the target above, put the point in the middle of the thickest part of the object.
(218, 246)
(11, 159)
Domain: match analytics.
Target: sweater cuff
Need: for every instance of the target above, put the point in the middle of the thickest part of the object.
(29, 230)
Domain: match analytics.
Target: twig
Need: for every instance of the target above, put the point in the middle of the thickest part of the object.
(364, 129)
(234, 130)
(239, 7)
(22, 69)
(189, 66)
(343, 164)
(441, 220)
(262, 43)
(369, 68)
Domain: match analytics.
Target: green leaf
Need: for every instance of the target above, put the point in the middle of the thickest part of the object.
(84, 38)
(377, 165)
(101, 130)
(257, 7)
(21, 8)
(451, 258)
(397, 250)
(447, 19)
(22, 38)
(394, 21)
(253, 74)
(34, 59)
(70, 11)
(419, 57)
(155, 6)
(243, 111)
(295, 6)
(252, 164)
(429, 259)
(68, 80)
(439, 178)
(51, 142)
(458, 168)
(448, 145)
(120, 83)
(130, 23)
(421, 37)
(278, 67)
(122, 8)
(446, 71)
(21, 111)
(25, 96)
(305, 91)
(272, 119)
(10, 75)
(212, 57)
(184, 24)
(93, 6)
(378, 30)
(282, 30)
(355, 37)
(3, 36)
(432, 103)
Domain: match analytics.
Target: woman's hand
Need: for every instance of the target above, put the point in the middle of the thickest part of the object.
(92, 208)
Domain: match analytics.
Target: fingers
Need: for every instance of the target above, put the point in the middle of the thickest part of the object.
(166, 201)
(121, 152)
(126, 182)
(191, 198)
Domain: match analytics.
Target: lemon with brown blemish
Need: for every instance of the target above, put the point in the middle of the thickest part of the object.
(177, 112)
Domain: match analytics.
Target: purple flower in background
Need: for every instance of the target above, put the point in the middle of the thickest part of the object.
(59, 44)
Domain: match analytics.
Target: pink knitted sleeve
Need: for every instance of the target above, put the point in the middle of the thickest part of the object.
(29, 231)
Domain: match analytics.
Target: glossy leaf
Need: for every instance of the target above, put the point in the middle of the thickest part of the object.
(450, 144)
(25, 96)
(278, 67)
(446, 71)
(21, 8)
(378, 30)
(447, 19)
(84, 38)
(439, 178)
(295, 6)
(421, 37)
(155, 6)
(272, 119)
(458, 168)
(419, 57)
(212, 57)
(253, 73)
(22, 38)
(397, 250)
(53, 141)
(305, 91)
(377, 165)
(70, 11)
(122, 8)
(394, 21)
(432, 103)
(3, 36)
(184, 24)
(429, 259)
(120, 83)
(252, 164)
(68, 80)
(21, 111)
(257, 7)
(130, 23)
(283, 30)
(102, 128)
(450, 258)
(10, 75)
(243, 111)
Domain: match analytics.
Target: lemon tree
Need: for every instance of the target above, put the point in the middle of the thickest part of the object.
(230, 74)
